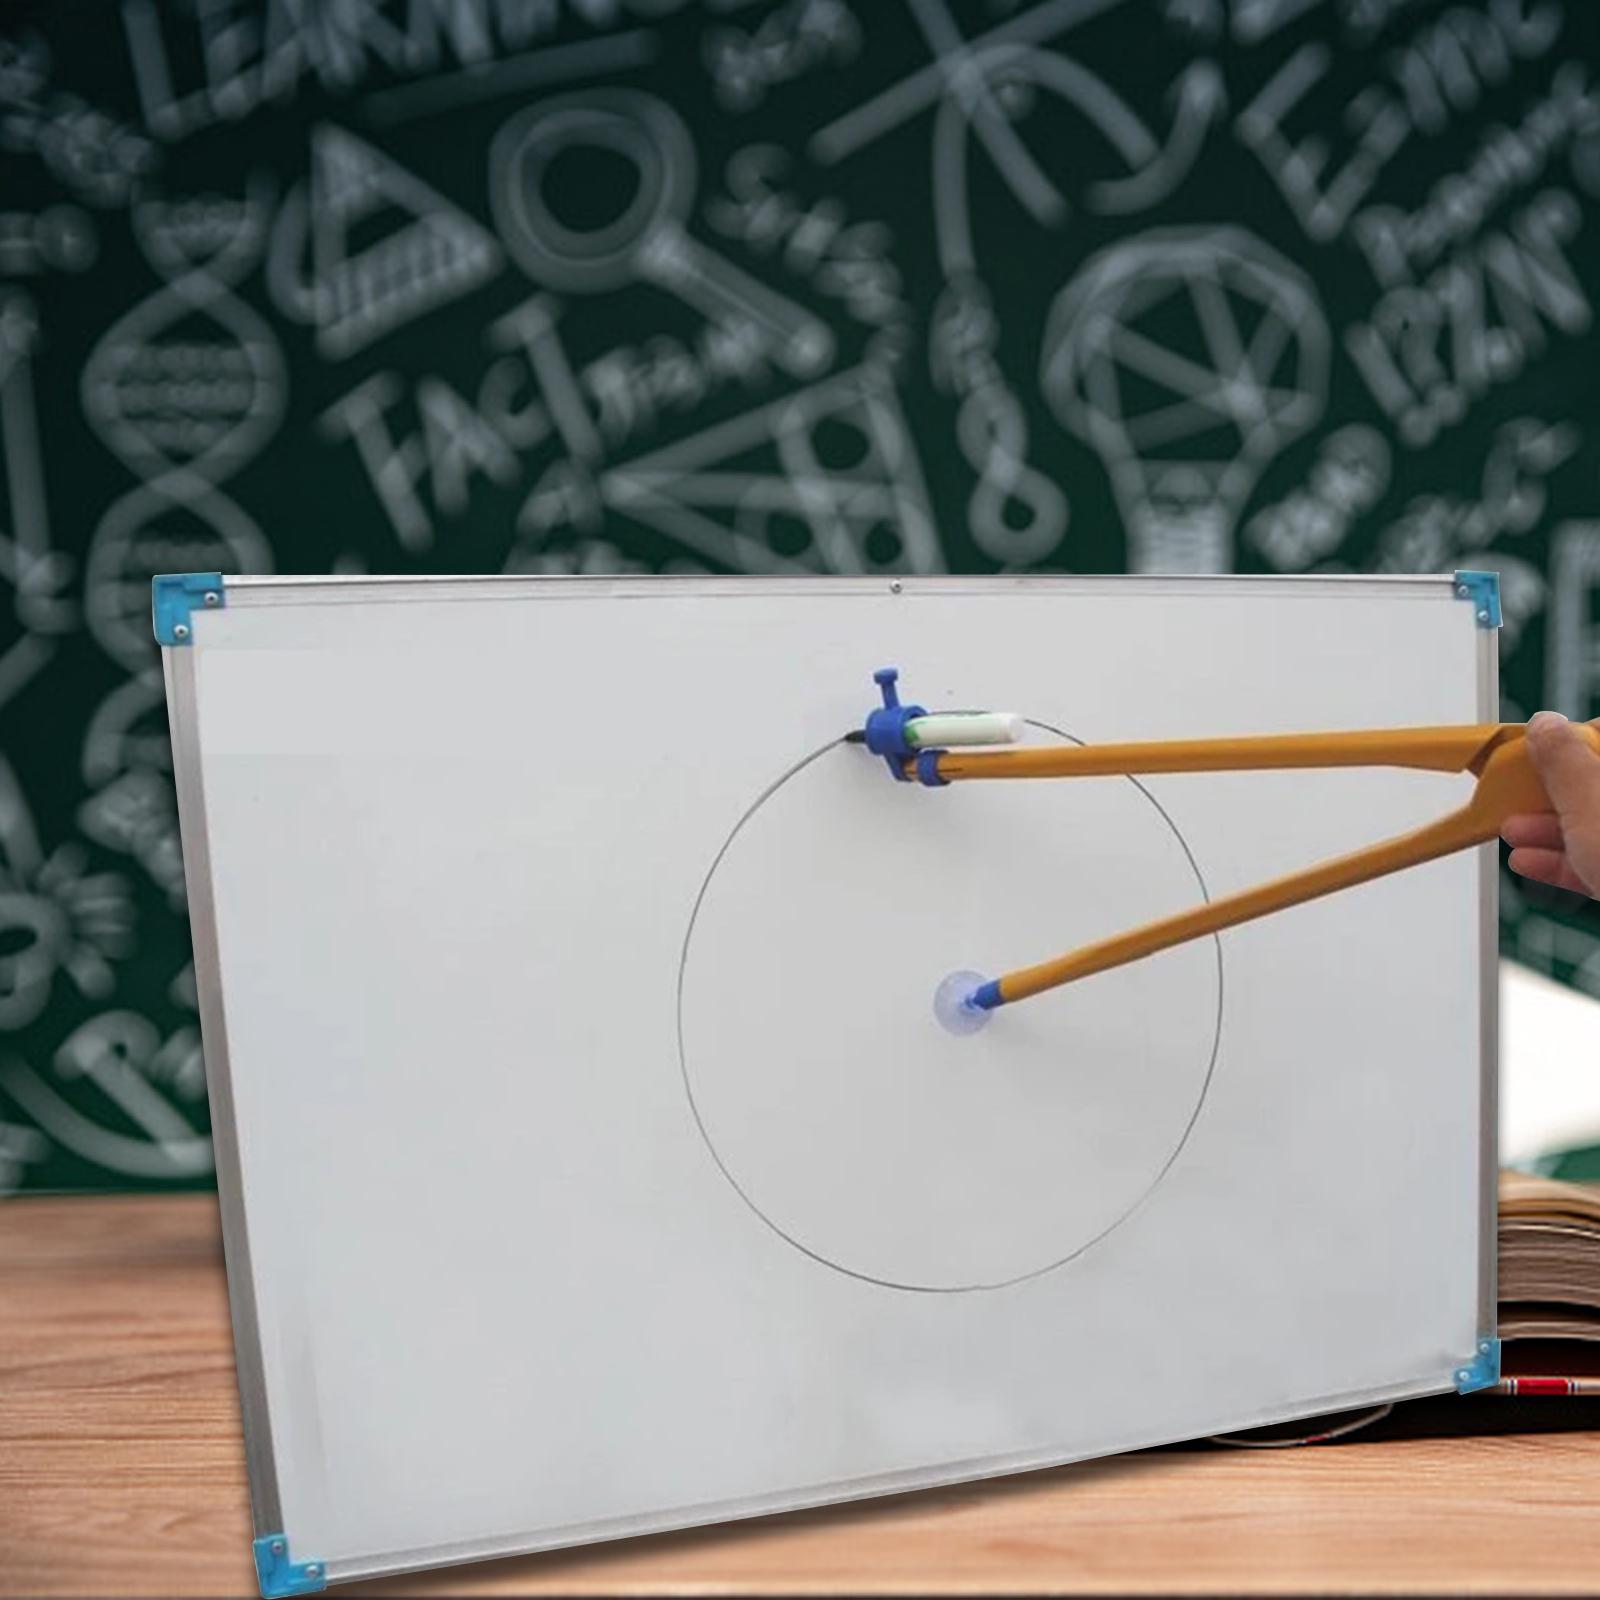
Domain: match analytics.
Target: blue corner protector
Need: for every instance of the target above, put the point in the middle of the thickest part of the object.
(174, 596)
(1484, 1370)
(1483, 590)
(281, 1575)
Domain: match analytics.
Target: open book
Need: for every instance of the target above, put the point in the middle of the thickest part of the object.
(1549, 1285)
(1549, 1310)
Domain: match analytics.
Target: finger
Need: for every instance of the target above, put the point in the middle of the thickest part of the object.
(1568, 768)
(1546, 866)
(1540, 829)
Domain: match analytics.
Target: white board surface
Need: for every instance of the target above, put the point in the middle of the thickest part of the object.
(591, 1160)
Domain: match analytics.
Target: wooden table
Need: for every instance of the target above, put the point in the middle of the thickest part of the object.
(122, 1473)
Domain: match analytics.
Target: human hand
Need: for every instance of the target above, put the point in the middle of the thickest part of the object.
(1560, 846)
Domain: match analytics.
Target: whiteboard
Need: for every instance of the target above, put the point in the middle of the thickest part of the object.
(591, 1161)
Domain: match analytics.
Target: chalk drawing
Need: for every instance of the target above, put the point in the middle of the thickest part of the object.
(163, 396)
(56, 917)
(1257, 20)
(536, 69)
(532, 328)
(1156, 168)
(1432, 350)
(991, 85)
(455, 444)
(1349, 477)
(126, 763)
(1440, 532)
(1185, 438)
(1513, 493)
(428, 253)
(99, 157)
(647, 240)
(799, 37)
(1015, 514)
(37, 575)
(182, 990)
(1523, 593)
(1364, 20)
(20, 1147)
(110, 1096)
(203, 63)
(957, 69)
(127, 730)
(1440, 74)
(1400, 242)
(1572, 640)
(825, 480)
(1015, 73)
(850, 261)
(185, 388)
(1200, 102)
(60, 238)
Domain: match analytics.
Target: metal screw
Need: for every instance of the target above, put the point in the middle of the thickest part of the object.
(1463, 1375)
(277, 1547)
(213, 598)
(313, 1571)
(1484, 1348)
(896, 587)
(1462, 591)
(181, 631)
(1483, 616)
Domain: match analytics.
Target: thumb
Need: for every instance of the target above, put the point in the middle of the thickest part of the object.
(1568, 767)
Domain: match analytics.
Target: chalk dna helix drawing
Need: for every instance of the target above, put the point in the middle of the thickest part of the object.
(37, 574)
(1184, 436)
(185, 389)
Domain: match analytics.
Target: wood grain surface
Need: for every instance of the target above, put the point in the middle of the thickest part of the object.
(122, 1473)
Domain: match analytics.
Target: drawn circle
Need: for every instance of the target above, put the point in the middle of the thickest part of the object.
(643, 131)
(851, 1122)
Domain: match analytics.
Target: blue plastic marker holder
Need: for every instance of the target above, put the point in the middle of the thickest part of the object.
(886, 725)
(886, 734)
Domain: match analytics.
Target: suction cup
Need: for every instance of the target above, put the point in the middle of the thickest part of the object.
(954, 1007)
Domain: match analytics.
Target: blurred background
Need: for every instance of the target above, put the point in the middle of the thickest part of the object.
(821, 286)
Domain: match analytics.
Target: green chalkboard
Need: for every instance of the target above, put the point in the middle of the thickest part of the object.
(815, 286)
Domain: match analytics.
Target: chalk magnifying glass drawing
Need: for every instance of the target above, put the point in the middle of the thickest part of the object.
(646, 240)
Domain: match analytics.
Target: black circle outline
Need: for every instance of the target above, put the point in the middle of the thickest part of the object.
(929, 1288)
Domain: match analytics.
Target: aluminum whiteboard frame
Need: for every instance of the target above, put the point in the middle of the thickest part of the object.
(179, 673)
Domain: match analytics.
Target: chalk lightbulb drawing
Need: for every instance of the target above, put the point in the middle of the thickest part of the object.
(1187, 359)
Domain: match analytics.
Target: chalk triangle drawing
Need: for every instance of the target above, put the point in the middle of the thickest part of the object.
(431, 253)
(824, 480)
